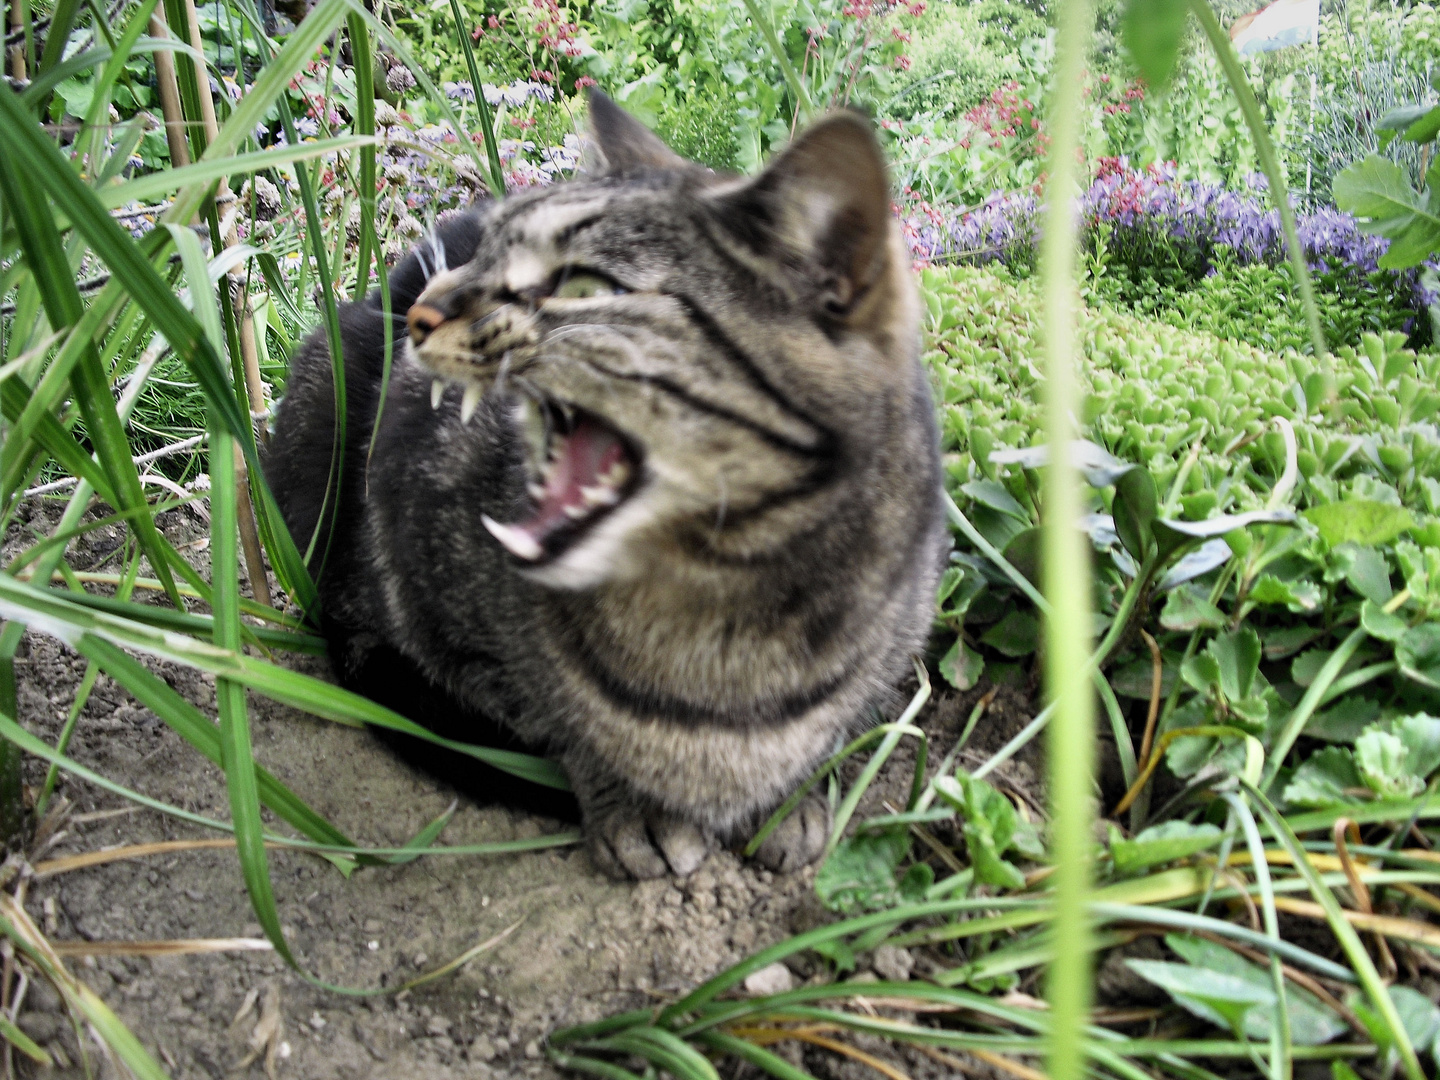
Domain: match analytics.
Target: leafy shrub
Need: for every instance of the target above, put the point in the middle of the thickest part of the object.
(959, 54)
(1151, 238)
(1245, 630)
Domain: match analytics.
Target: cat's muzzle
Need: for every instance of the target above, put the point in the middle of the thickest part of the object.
(580, 470)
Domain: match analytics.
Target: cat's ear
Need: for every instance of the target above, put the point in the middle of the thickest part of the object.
(627, 144)
(823, 205)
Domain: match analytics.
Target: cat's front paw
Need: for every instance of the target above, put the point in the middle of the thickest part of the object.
(628, 842)
(798, 840)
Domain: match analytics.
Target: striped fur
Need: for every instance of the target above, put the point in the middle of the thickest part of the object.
(699, 648)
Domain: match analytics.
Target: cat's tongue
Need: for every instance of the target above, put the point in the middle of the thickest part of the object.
(584, 476)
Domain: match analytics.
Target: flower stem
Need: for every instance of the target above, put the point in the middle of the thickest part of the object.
(1067, 569)
(1269, 164)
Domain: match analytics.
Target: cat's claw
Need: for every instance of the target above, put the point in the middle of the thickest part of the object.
(628, 843)
(798, 840)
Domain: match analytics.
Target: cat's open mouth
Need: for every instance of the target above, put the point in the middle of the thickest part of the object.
(581, 469)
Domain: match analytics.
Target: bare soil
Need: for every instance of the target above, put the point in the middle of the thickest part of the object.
(584, 946)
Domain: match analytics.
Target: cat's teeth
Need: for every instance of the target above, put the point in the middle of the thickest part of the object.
(469, 403)
(599, 496)
(516, 541)
(437, 391)
(616, 475)
(576, 513)
(537, 491)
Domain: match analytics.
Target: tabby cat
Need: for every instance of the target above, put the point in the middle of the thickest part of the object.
(655, 484)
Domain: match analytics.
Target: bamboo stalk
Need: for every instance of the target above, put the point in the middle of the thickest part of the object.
(17, 51)
(249, 355)
(169, 94)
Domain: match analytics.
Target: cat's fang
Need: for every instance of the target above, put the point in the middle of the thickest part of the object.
(469, 403)
(616, 475)
(437, 391)
(577, 513)
(516, 541)
(535, 491)
(599, 495)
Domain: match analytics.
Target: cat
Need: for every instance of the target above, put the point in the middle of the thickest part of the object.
(656, 484)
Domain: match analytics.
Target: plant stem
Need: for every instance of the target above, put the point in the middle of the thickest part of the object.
(496, 179)
(1270, 164)
(803, 104)
(1067, 571)
(1296, 721)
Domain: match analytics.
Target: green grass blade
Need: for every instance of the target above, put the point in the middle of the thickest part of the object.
(195, 728)
(762, 1059)
(236, 755)
(1066, 566)
(583, 1063)
(206, 171)
(37, 158)
(56, 614)
(363, 65)
(496, 179)
(16, 925)
(1345, 934)
(22, 1042)
(45, 253)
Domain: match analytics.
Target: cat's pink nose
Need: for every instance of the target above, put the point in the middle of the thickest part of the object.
(423, 320)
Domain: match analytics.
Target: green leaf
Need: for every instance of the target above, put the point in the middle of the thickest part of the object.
(859, 875)
(1152, 31)
(840, 955)
(1161, 844)
(1402, 116)
(1238, 657)
(1017, 634)
(1359, 521)
(1378, 192)
(1381, 759)
(992, 493)
(1327, 778)
(1187, 608)
(1135, 508)
(1219, 999)
(1344, 722)
(990, 825)
(1299, 596)
(1379, 623)
(1312, 1023)
(1420, 733)
(1418, 654)
(962, 666)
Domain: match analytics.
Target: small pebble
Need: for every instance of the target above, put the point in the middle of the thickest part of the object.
(532, 1048)
(482, 1049)
(893, 963)
(772, 979)
(438, 1025)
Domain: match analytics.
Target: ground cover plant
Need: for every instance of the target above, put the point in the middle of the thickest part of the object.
(1256, 471)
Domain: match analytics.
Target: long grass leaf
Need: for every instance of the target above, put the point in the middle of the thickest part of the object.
(57, 615)
(45, 254)
(208, 170)
(1345, 934)
(15, 923)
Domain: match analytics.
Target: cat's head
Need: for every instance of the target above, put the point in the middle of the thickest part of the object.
(699, 365)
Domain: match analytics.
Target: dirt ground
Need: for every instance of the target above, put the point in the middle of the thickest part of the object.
(584, 946)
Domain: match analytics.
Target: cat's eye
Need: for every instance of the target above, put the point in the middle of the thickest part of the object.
(585, 286)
